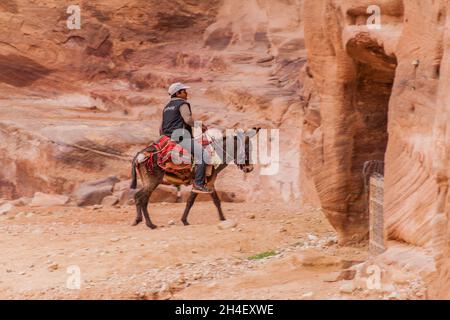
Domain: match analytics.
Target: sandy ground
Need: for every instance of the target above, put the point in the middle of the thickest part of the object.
(43, 249)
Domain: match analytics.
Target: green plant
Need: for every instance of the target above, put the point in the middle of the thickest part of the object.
(263, 255)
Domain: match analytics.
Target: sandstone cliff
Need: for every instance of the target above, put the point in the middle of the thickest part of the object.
(383, 96)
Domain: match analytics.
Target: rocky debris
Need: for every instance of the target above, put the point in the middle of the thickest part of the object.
(401, 277)
(393, 296)
(110, 201)
(307, 296)
(48, 200)
(389, 284)
(171, 223)
(314, 258)
(5, 208)
(313, 241)
(347, 287)
(93, 192)
(53, 267)
(282, 230)
(226, 225)
(251, 216)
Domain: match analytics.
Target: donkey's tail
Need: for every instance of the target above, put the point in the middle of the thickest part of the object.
(133, 175)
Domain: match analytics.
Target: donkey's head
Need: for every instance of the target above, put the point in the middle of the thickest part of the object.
(242, 145)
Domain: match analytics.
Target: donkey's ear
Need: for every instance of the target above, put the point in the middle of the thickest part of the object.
(253, 132)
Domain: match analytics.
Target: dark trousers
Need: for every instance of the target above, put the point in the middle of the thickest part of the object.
(201, 158)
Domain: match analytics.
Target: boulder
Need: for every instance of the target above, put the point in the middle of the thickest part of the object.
(126, 196)
(110, 201)
(347, 287)
(307, 296)
(225, 225)
(47, 200)
(123, 185)
(164, 194)
(93, 192)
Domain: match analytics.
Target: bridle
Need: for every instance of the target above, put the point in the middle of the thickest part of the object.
(225, 152)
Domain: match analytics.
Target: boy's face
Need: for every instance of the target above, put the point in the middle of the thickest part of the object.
(182, 94)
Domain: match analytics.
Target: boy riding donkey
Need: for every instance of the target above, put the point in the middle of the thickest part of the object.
(177, 123)
(158, 164)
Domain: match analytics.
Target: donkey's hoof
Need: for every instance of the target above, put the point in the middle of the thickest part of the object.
(185, 223)
(135, 223)
(152, 226)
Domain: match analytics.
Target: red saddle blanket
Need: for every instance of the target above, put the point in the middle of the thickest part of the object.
(170, 156)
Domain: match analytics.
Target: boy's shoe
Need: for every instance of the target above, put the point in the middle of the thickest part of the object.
(201, 189)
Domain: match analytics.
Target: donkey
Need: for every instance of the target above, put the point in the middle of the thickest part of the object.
(151, 180)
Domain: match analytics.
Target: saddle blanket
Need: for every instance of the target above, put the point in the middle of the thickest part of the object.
(173, 158)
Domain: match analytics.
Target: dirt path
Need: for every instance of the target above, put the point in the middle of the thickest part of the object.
(200, 261)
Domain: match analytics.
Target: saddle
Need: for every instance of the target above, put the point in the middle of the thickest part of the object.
(174, 160)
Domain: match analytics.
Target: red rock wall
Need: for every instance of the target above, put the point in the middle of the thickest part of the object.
(383, 90)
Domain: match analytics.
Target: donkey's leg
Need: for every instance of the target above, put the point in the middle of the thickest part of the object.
(218, 204)
(144, 203)
(138, 216)
(189, 204)
(151, 182)
(154, 183)
(138, 196)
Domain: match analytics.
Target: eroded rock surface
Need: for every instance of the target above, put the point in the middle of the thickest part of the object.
(382, 95)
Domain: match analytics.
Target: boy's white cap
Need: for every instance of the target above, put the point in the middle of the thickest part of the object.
(175, 87)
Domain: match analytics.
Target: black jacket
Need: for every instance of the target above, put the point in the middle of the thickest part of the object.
(172, 119)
